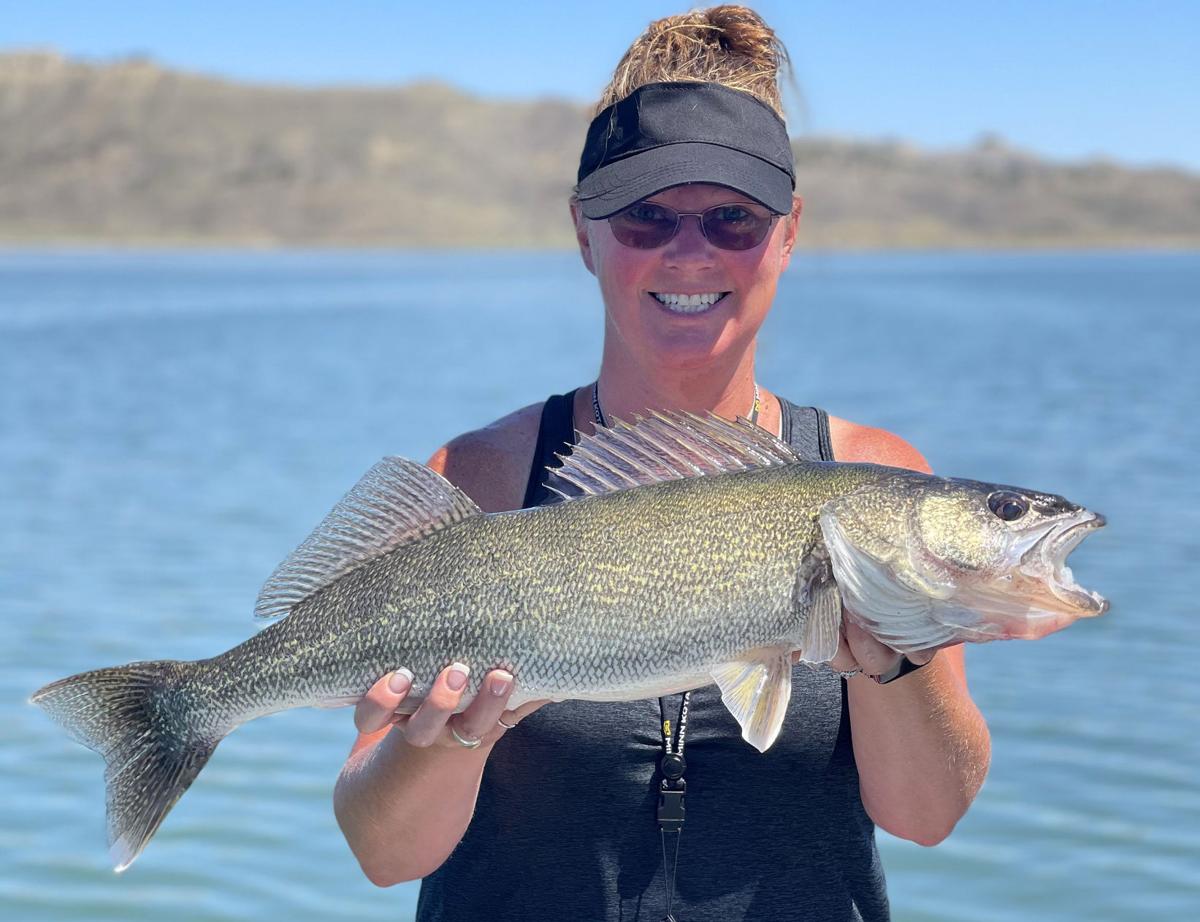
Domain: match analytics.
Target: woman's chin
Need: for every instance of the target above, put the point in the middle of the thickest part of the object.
(682, 352)
(682, 340)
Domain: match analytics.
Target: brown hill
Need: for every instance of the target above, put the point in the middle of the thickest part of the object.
(129, 151)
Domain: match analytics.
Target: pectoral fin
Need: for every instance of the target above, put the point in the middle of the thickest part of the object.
(817, 595)
(756, 689)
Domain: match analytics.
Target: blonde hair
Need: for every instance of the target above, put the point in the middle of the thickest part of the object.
(729, 45)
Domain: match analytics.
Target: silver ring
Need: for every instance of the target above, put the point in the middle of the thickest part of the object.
(849, 672)
(462, 741)
(500, 720)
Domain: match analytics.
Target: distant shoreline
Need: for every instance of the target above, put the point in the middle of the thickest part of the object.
(1185, 245)
(131, 153)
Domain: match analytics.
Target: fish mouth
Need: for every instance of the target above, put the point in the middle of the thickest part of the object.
(1046, 562)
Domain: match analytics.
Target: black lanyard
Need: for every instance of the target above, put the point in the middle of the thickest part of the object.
(671, 788)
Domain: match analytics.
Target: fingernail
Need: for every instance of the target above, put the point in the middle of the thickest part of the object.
(400, 681)
(457, 679)
(500, 686)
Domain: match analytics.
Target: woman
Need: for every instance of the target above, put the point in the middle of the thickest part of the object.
(685, 214)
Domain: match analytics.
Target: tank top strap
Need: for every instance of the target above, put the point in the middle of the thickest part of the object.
(556, 435)
(806, 430)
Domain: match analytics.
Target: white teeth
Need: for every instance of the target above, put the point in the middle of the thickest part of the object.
(688, 304)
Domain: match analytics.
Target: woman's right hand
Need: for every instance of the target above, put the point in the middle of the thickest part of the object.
(409, 773)
(430, 724)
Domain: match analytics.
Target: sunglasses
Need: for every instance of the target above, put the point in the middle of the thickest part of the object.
(734, 226)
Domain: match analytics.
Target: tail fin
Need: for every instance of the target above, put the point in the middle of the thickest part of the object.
(142, 719)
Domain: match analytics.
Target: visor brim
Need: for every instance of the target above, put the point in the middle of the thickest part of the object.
(619, 184)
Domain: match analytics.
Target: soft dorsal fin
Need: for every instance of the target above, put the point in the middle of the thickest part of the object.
(665, 446)
(396, 501)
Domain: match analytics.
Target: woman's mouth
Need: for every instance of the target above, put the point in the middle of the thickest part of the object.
(680, 303)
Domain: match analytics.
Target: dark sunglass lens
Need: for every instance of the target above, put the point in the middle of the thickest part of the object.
(737, 227)
(644, 225)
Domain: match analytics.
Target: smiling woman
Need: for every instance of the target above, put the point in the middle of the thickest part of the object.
(686, 214)
(655, 327)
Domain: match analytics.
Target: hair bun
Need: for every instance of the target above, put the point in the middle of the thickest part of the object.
(729, 45)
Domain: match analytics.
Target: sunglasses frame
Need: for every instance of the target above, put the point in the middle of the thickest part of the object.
(699, 216)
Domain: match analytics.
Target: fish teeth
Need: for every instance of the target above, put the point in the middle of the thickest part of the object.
(688, 304)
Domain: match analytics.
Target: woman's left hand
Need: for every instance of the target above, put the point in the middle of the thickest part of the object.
(859, 650)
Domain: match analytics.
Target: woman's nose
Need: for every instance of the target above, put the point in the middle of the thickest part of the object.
(689, 245)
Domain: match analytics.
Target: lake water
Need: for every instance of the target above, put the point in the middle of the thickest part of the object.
(172, 424)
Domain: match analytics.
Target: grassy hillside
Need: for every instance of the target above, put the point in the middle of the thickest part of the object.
(132, 152)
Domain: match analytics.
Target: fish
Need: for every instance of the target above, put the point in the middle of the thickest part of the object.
(683, 551)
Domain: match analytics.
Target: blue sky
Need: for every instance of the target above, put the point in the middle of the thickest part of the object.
(1066, 78)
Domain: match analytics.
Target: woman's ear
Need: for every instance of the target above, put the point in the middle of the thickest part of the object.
(791, 225)
(581, 234)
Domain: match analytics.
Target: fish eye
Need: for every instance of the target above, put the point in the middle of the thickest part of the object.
(1008, 506)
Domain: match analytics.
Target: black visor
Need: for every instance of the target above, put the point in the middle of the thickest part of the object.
(670, 134)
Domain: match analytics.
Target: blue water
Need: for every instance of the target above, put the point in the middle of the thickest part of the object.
(172, 424)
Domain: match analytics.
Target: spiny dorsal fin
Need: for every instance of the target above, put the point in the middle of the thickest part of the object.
(396, 501)
(664, 446)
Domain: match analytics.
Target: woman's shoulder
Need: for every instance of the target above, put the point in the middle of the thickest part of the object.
(856, 442)
(491, 463)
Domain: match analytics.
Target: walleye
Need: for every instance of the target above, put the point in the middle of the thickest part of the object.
(688, 551)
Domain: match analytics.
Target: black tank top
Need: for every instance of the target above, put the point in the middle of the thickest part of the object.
(564, 826)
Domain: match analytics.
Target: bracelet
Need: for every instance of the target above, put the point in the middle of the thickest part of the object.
(902, 668)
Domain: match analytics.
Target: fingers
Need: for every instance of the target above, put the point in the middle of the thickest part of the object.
(428, 722)
(514, 717)
(377, 707)
(872, 656)
(921, 657)
(481, 718)
(858, 649)
(843, 660)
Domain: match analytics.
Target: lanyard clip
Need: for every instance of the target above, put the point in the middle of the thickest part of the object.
(670, 805)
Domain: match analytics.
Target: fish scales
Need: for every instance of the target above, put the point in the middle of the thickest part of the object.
(579, 599)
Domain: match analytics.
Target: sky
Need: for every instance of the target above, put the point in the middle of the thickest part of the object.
(1067, 79)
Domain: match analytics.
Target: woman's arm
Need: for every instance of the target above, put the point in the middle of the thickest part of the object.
(922, 748)
(921, 745)
(406, 793)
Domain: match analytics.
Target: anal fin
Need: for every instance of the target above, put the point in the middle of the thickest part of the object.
(756, 690)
